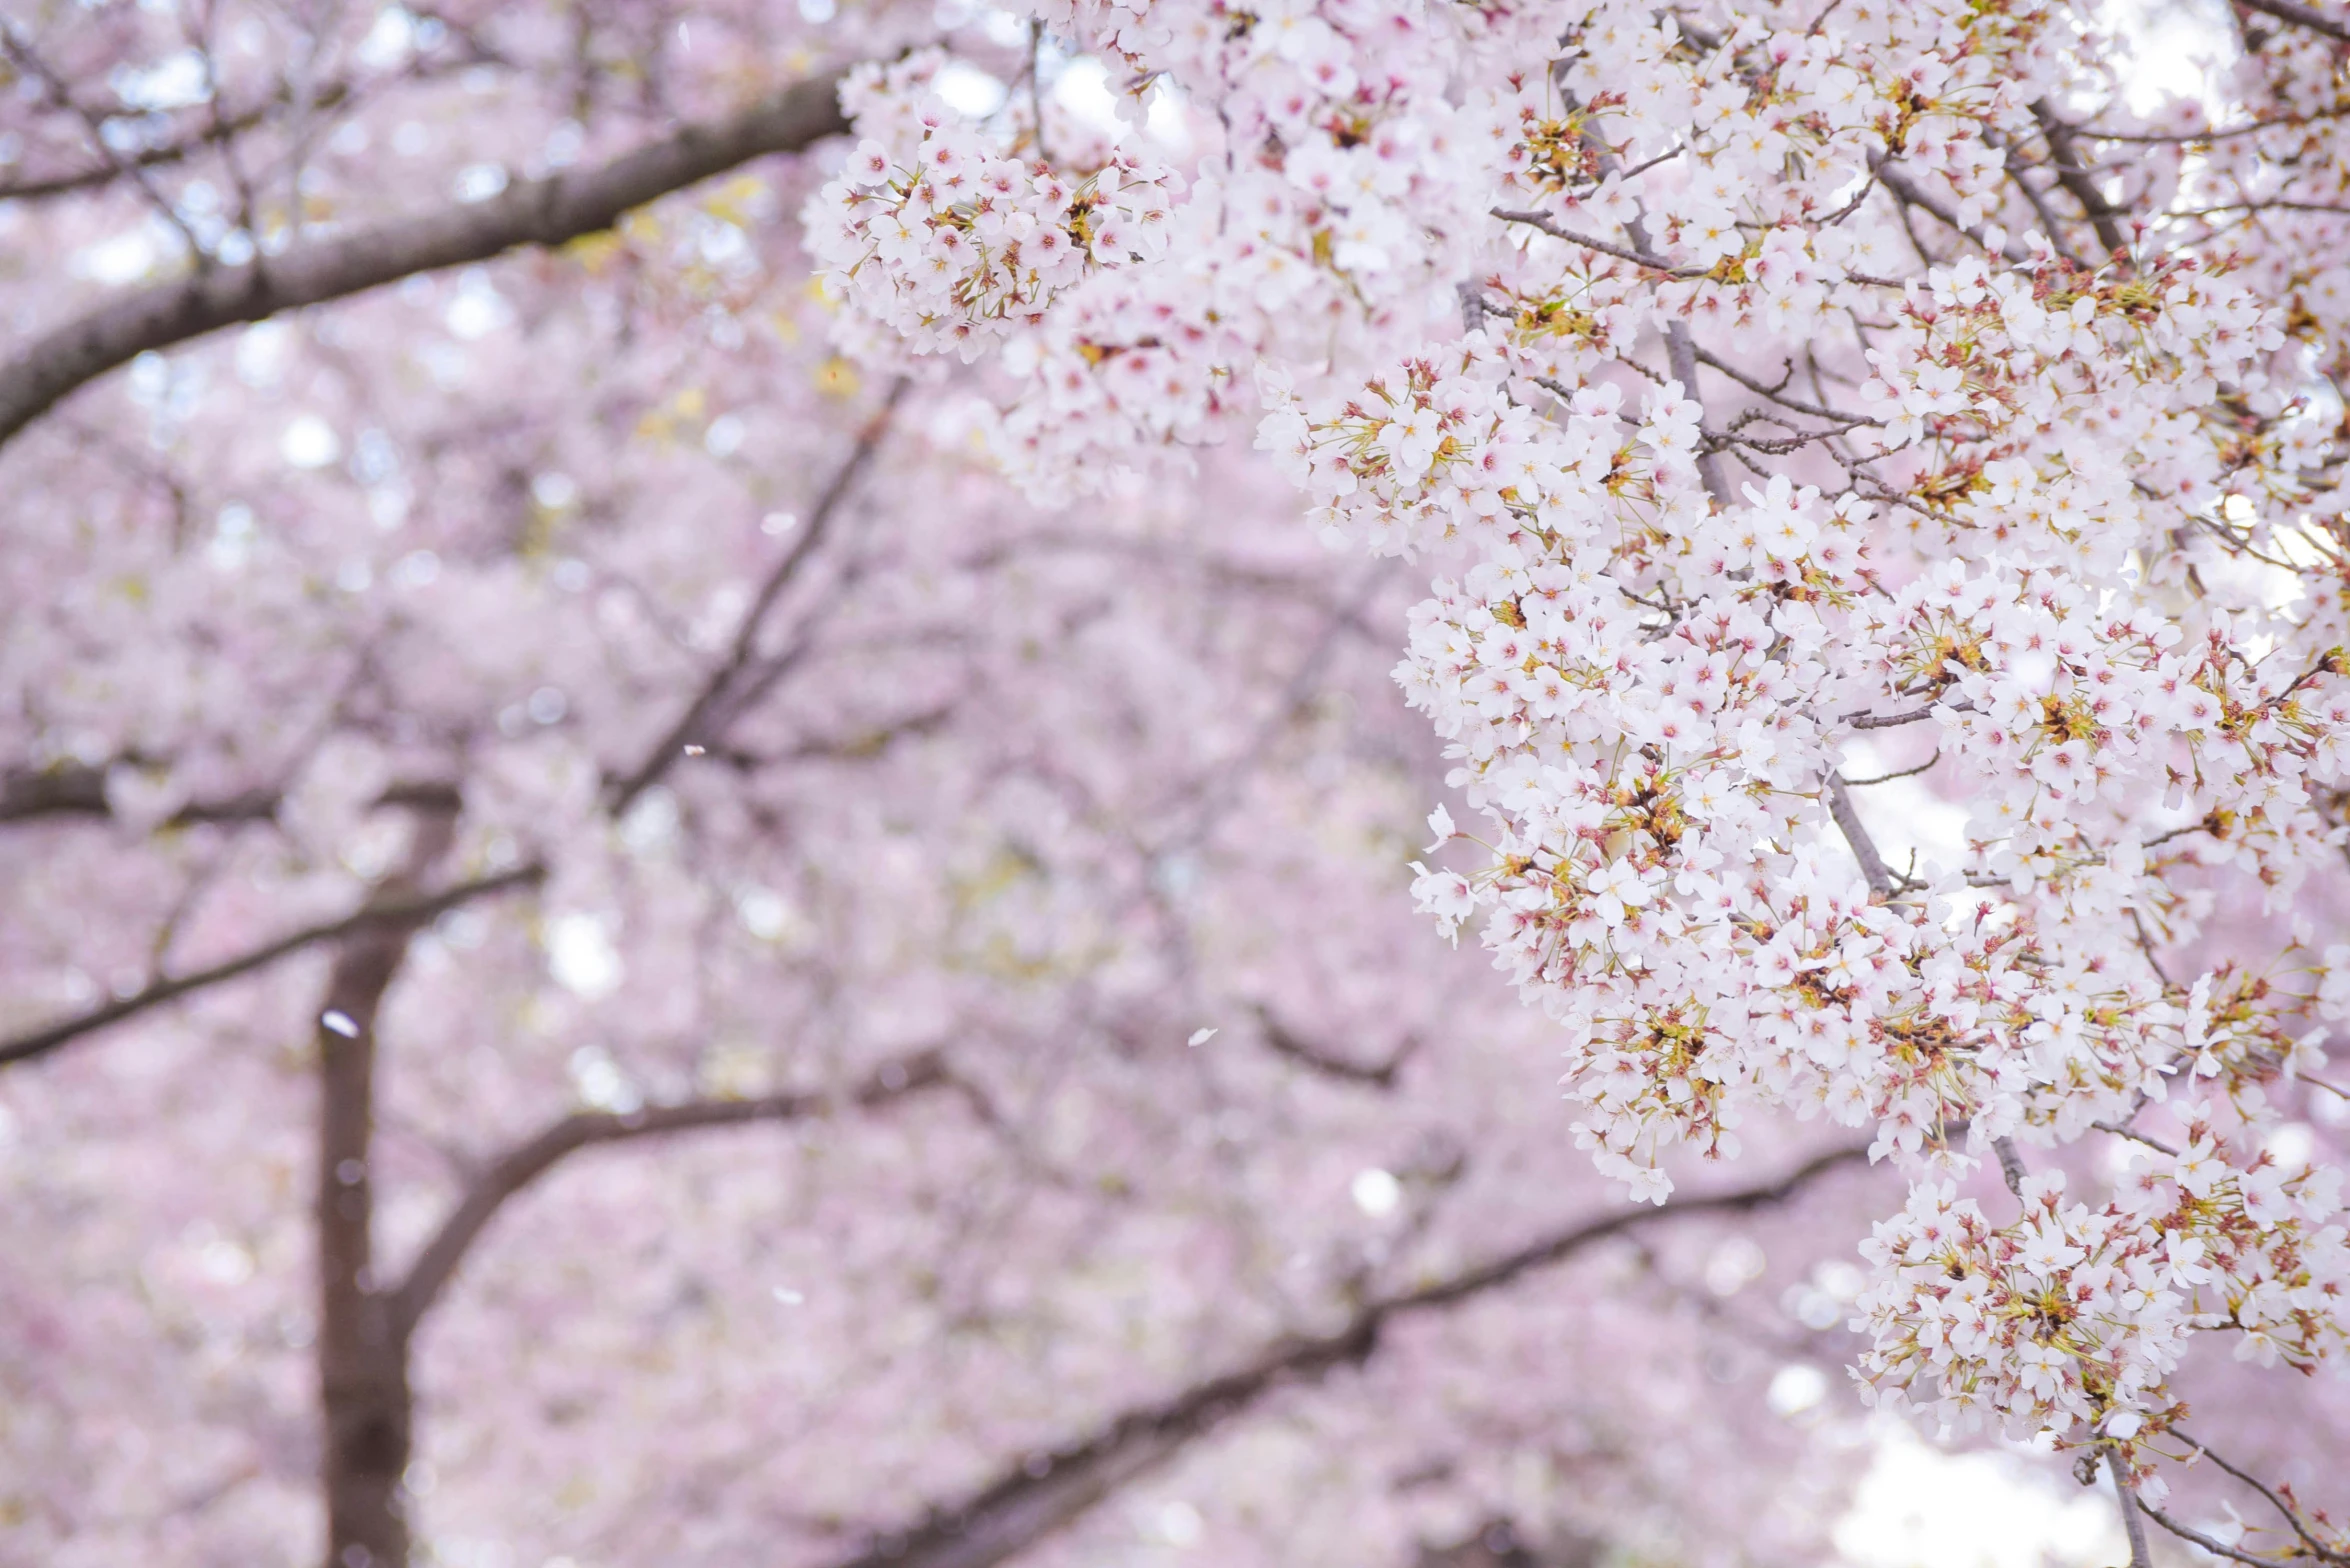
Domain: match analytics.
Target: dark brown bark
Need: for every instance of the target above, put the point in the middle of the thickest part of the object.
(362, 1360)
(545, 212)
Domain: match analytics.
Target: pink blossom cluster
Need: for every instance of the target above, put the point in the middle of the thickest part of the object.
(2073, 1317)
(1766, 402)
(950, 245)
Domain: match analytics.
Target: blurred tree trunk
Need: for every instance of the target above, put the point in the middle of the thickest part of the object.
(362, 1352)
(1498, 1543)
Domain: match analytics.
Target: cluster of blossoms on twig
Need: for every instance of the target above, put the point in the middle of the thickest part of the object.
(2074, 1317)
(948, 244)
(1732, 469)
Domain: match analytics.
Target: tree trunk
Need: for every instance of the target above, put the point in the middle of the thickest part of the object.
(362, 1355)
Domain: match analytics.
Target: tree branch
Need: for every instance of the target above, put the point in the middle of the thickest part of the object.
(407, 913)
(2196, 1537)
(695, 724)
(2315, 1547)
(2298, 15)
(544, 212)
(1910, 194)
(1044, 1492)
(2132, 1526)
(2073, 175)
(1864, 848)
(79, 790)
(1280, 1040)
(437, 1263)
(1542, 221)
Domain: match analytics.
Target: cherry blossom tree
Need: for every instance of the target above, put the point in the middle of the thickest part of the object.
(499, 667)
(1768, 378)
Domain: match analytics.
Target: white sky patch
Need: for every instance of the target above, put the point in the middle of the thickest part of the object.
(1903, 815)
(390, 41)
(1179, 1524)
(600, 1084)
(1168, 121)
(764, 913)
(581, 957)
(1084, 92)
(969, 90)
(1795, 1388)
(1918, 1507)
(177, 81)
(262, 352)
(2169, 49)
(1734, 1265)
(126, 258)
(478, 310)
(480, 181)
(1376, 1192)
(309, 442)
(2292, 1144)
(1003, 29)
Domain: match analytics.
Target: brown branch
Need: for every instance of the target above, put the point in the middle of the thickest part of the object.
(403, 913)
(437, 1263)
(2196, 1537)
(695, 724)
(1910, 194)
(544, 212)
(2073, 175)
(1536, 220)
(2132, 1526)
(368, 1412)
(1280, 1040)
(28, 60)
(1872, 721)
(2316, 1547)
(1817, 410)
(1044, 1492)
(1856, 834)
(79, 790)
(2297, 15)
(41, 187)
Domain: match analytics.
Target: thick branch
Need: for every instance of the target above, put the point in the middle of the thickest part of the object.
(1045, 1492)
(2132, 1525)
(437, 1264)
(546, 212)
(2290, 11)
(399, 913)
(362, 1374)
(2073, 175)
(1864, 848)
(79, 790)
(1282, 1041)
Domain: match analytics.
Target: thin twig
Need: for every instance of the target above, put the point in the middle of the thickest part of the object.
(409, 911)
(693, 725)
(1904, 773)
